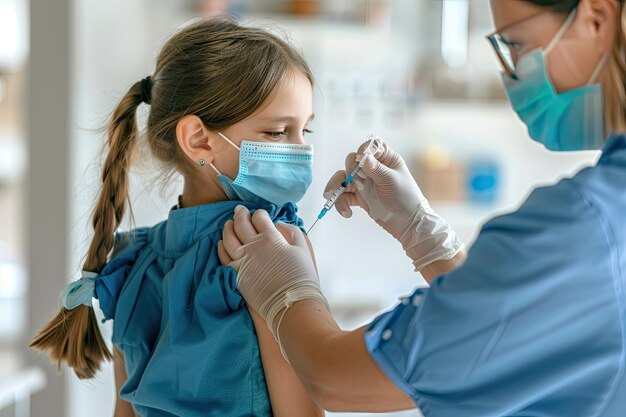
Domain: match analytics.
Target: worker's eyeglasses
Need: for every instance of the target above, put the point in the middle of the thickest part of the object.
(509, 52)
(505, 52)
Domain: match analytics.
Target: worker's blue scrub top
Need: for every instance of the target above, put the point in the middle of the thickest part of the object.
(187, 338)
(533, 324)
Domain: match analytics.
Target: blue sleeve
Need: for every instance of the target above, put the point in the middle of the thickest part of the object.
(287, 213)
(113, 276)
(219, 279)
(516, 323)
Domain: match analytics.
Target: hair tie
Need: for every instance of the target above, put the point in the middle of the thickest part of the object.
(146, 90)
(80, 292)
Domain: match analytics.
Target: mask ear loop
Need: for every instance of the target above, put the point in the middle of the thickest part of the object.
(559, 35)
(215, 169)
(231, 143)
(561, 32)
(598, 70)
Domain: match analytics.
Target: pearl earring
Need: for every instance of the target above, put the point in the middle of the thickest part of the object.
(202, 162)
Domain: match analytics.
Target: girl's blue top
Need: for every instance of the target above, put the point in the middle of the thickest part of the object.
(188, 340)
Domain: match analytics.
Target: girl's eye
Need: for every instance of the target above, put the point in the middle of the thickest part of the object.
(307, 131)
(275, 135)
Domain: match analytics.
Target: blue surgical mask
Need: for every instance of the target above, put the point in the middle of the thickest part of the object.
(568, 121)
(275, 173)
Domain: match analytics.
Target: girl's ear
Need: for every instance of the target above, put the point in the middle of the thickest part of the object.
(194, 139)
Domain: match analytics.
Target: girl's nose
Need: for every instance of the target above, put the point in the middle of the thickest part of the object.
(299, 139)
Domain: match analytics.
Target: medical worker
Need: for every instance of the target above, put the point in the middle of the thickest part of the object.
(533, 321)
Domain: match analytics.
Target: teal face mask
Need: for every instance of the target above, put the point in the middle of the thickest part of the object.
(275, 173)
(569, 121)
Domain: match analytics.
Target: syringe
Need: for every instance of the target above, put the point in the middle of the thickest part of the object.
(344, 184)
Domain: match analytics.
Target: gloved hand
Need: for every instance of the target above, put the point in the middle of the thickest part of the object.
(274, 264)
(386, 190)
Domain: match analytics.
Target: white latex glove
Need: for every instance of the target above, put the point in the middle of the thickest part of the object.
(273, 263)
(387, 191)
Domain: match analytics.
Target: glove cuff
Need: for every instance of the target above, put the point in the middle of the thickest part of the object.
(429, 238)
(284, 301)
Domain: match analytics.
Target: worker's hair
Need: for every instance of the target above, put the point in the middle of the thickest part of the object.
(615, 94)
(215, 69)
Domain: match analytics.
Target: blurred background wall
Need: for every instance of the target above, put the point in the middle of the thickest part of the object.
(416, 72)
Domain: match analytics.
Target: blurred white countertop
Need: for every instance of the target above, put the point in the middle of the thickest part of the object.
(17, 383)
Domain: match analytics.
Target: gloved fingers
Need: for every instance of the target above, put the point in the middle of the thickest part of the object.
(291, 233)
(380, 149)
(243, 225)
(348, 200)
(374, 145)
(377, 148)
(351, 161)
(375, 170)
(359, 195)
(335, 182)
(299, 239)
(359, 183)
(232, 244)
(225, 258)
(262, 222)
(387, 156)
(380, 161)
(342, 205)
(368, 144)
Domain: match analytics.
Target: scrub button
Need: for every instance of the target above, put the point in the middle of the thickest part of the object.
(387, 334)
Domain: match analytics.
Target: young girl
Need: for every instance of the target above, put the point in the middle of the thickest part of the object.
(229, 108)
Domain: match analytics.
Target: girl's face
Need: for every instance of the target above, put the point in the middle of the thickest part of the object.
(286, 118)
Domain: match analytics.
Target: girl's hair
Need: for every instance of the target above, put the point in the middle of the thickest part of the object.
(615, 94)
(215, 69)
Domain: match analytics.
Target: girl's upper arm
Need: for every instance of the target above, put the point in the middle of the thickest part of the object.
(310, 245)
(287, 394)
(122, 408)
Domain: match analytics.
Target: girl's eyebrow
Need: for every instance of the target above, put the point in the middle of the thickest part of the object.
(287, 119)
